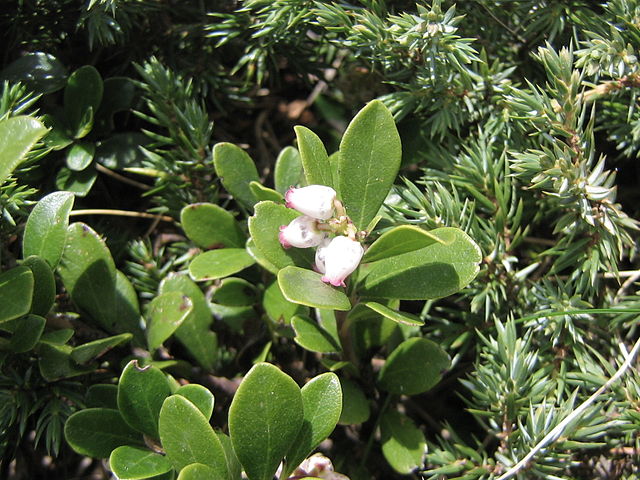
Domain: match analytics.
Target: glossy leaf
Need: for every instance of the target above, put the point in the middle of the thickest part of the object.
(44, 285)
(219, 263)
(370, 155)
(355, 406)
(79, 183)
(89, 275)
(46, 229)
(265, 418)
(194, 333)
(304, 286)
(17, 285)
(55, 362)
(92, 350)
(312, 337)
(96, 432)
(199, 396)
(398, 317)
(262, 193)
(322, 400)
(415, 366)
(121, 150)
(259, 257)
(132, 463)
(198, 471)
(402, 239)
(41, 72)
(18, 135)
(313, 155)
(235, 469)
(102, 395)
(26, 333)
(236, 170)
(141, 392)
(80, 156)
(234, 292)
(208, 226)
(165, 314)
(196, 444)
(127, 306)
(119, 94)
(435, 271)
(82, 94)
(403, 444)
(288, 169)
(278, 308)
(264, 227)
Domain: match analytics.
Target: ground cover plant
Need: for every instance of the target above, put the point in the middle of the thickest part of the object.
(303, 239)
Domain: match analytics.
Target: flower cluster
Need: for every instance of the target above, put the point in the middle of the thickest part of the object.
(336, 256)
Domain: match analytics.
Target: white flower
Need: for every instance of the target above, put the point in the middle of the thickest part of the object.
(301, 233)
(315, 200)
(318, 466)
(320, 255)
(341, 257)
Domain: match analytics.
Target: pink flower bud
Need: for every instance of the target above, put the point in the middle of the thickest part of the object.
(301, 233)
(341, 257)
(315, 200)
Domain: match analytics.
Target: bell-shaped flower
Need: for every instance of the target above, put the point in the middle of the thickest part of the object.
(316, 201)
(341, 257)
(318, 466)
(302, 232)
(320, 255)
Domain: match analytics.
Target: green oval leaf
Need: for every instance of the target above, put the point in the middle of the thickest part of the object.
(41, 72)
(18, 135)
(96, 432)
(197, 443)
(398, 240)
(194, 333)
(236, 171)
(312, 337)
(82, 95)
(288, 170)
(398, 317)
(131, 463)
(278, 308)
(403, 444)
(199, 396)
(264, 227)
(80, 156)
(208, 226)
(102, 395)
(234, 292)
(141, 392)
(262, 193)
(370, 155)
(435, 271)
(313, 155)
(219, 263)
(305, 287)
(264, 419)
(16, 284)
(44, 286)
(92, 350)
(322, 400)
(46, 230)
(198, 471)
(79, 183)
(26, 333)
(415, 366)
(355, 406)
(165, 314)
(89, 275)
